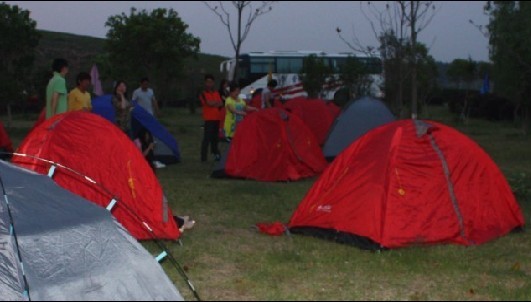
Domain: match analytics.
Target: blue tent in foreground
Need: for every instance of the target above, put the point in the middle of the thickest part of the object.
(166, 149)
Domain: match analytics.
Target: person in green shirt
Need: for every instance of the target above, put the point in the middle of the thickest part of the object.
(56, 93)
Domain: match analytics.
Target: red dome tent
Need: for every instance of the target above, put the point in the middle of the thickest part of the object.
(40, 119)
(92, 146)
(272, 145)
(334, 109)
(408, 183)
(316, 114)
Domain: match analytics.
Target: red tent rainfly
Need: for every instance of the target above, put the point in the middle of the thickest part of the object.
(272, 145)
(315, 114)
(94, 147)
(407, 183)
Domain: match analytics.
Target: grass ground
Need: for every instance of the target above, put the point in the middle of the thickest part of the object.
(227, 260)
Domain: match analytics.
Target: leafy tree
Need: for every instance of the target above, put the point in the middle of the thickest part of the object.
(355, 76)
(427, 74)
(153, 44)
(462, 71)
(393, 51)
(17, 46)
(509, 31)
(396, 56)
(314, 75)
(483, 68)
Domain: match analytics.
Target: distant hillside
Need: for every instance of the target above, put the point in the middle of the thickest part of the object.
(81, 52)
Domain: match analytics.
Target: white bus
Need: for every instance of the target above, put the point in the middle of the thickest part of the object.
(284, 66)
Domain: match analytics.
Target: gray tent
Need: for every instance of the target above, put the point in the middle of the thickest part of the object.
(357, 118)
(55, 245)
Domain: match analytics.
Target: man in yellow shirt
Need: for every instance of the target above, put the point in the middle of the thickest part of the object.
(79, 97)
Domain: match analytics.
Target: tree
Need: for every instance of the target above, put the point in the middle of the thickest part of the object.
(355, 76)
(238, 36)
(17, 47)
(462, 71)
(393, 51)
(427, 75)
(153, 44)
(314, 74)
(389, 26)
(509, 31)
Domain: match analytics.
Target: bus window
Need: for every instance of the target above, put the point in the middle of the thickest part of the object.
(262, 65)
(289, 65)
(373, 65)
(337, 64)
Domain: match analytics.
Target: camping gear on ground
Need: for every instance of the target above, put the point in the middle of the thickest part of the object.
(55, 245)
(357, 118)
(271, 145)
(407, 183)
(119, 176)
(166, 149)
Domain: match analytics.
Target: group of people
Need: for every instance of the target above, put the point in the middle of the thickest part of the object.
(228, 97)
(59, 101)
(212, 101)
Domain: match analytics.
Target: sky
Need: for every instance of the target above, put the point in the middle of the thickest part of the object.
(291, 25)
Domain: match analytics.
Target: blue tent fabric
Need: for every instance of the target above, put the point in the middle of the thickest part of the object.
(103, 106)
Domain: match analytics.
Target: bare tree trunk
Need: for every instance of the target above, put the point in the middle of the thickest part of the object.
(413, 59)
(238, 46)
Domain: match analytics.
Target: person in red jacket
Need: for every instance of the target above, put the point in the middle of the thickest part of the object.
(212, 104)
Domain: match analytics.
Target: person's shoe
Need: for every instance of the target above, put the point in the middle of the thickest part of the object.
(158, 164)
(187, 224)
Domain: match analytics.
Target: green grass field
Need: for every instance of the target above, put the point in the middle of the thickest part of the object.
(228, 260)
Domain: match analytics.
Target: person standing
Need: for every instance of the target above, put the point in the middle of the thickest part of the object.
(212, 103)
(122, 107)
(145, 97)
(236, 109)
(267, 94)
(79, 97)
(56, 92)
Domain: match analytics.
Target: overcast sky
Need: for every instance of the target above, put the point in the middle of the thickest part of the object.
(290, 25)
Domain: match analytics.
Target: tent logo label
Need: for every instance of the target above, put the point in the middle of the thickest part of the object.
(3, 245)
(325, 208)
